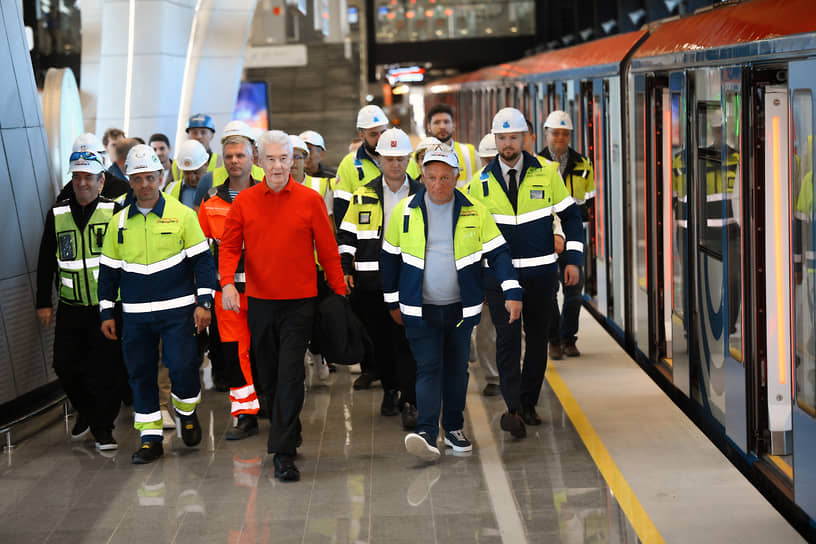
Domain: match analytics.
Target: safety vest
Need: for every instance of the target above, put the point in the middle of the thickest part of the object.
(220, 174)
(719, 210)
(215, 162)
(174, 189)
(528, 229)
(475, 237)
(359, 238)
(157, 262)
(78, 252)
(468, 164)
(212, 216)
(355, 170)
(579, 177)
(321, 185)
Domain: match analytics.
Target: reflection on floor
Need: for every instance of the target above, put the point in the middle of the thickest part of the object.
(358, 483)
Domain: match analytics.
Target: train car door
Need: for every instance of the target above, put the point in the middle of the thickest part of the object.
(615, 225)
(801, 82)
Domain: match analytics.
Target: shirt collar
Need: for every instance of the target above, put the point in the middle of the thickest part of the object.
(404, 187)
(517, 166)
(286, 188)
(158, 209)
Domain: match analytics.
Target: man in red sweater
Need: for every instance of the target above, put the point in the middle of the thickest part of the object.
(280, 223)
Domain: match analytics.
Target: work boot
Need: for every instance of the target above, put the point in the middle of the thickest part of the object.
(246, 426)
(556, 352)
(190, 429)
(571, 351)
(285, 469)
(149, 452)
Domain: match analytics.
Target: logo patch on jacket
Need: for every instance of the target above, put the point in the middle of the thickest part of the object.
(365, 218)
(537, 194)
(167, 220)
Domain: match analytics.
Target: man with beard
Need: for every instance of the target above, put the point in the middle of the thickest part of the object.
(522, 194)
(440, 126)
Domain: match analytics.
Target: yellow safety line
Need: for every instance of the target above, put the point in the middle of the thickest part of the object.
(783, 465)
(645, 529)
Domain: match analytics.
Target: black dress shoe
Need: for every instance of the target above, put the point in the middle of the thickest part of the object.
(491, 390)
(247, 426)
(190, 430)
(364, 381)
(513, 424)
(149, 452)
(390, 403)
(409, 416)
(285, 469)
(529, 415)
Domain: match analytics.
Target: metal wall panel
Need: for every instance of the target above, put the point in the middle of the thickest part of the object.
(23, 333)
(38, 144)
(7, 389)
(23, 186)
(13, 262)
(11, 109)
(21, 63)
(46, 335)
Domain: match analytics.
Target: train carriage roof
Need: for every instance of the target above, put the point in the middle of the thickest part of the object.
(750, 24)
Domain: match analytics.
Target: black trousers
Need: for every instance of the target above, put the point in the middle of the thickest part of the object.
(88, 365)
(280, 331)
(393, 361)
(520, 386)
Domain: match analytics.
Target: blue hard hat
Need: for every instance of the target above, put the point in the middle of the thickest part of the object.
(201, 120)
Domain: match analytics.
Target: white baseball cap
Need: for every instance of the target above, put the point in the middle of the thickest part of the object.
(441, 153)
(314, 138)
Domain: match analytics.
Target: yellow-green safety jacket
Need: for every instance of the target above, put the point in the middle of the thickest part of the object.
(78, 252)
(359, 238)
(528, 229)
(579, 178)
(475, 237)
(156, 262)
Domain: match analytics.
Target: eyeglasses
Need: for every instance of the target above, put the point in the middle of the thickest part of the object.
(87, 155)
(298, 157)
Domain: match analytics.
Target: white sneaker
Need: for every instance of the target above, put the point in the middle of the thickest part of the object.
(168, 421)
(322, 370)
(419, 444)
(206, 376)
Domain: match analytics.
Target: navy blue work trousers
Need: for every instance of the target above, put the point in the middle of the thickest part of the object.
(564, 326)
(521, 385)
(441, 352)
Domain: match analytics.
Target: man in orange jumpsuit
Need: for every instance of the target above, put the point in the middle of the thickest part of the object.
(235, 338)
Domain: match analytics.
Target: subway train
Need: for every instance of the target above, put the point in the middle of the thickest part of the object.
(700, 252)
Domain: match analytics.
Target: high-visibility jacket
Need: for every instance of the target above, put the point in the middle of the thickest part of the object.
(174, 189)
(156, 262)
(359, 238)
(78, 252)
(579, 178)
(355, 170)
(321, 185)
(468, 163)
(220, 174)
(212, 214)
(528, 229)
(475, 237)
(215, 162)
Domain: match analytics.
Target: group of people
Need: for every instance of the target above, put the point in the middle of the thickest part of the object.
(231, 253)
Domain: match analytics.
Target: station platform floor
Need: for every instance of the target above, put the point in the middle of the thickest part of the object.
(614, 461)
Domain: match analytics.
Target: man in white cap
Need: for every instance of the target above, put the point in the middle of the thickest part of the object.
(157, 260)
(522, 194)
(192, 161)
(360, 241)
(432, 282)
(88, 365)
(317, 148)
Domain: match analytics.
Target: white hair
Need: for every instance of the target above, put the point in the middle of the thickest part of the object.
(276, 137)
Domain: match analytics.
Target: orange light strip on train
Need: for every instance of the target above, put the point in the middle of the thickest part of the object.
(780, 305)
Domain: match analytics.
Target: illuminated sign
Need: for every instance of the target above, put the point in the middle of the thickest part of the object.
(408, 74)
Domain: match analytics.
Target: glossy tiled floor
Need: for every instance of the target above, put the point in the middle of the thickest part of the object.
(358, 484)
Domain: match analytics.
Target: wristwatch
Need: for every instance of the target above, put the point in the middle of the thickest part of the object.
(206, 305)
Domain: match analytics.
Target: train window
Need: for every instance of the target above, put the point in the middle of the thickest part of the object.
(731, 212)
(638, 197)
(804, 288)
(709, 169)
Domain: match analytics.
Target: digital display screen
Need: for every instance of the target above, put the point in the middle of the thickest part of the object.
(251, 106)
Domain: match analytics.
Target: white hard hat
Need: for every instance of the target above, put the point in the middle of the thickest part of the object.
(394, 143)
(237, 128)
(142, 158)
(441, 153)
(425, 143)
(298, 143)
(371, 116)
(509, 120)
(86, 161)
(192, 155)
(558, 119)
(88, 142)
(312, 137)
(487, 147)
